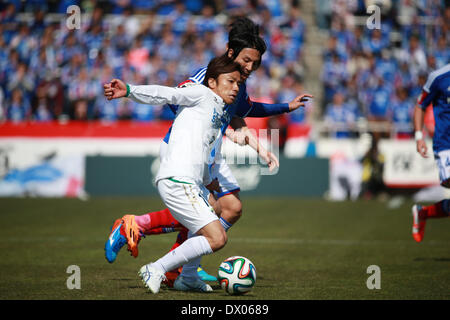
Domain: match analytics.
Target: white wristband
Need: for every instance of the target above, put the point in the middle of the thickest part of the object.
(418, 135)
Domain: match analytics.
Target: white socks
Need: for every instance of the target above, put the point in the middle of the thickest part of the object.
(190, 269)
(191, 249)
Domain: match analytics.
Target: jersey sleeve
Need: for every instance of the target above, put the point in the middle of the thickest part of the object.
(159, 95)
(428, 94)
(247, 108)
(260, 110)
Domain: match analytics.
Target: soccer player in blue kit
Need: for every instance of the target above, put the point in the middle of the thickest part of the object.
(246, 47)
(436, 91)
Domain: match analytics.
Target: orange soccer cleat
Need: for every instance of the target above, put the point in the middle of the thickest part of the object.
(418, 228)
(131, 233)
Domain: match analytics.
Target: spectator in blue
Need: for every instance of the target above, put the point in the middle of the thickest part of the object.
(206, 22)
(441, 52)
(379, 104)
(287, 93)
(401, 113)
(403, 75)
(9, 21)
(375, 43)
(297, 26)
(179, 18)
(141, 112)
(334, 47)
(23, 80)
(339, 117)
(19, 108)
(84, 88)
(386, 66)
(169, 49)
(334, 74)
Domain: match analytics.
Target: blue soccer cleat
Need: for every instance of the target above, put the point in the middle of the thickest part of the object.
(115, 241)
(204, 276)
(197, 285)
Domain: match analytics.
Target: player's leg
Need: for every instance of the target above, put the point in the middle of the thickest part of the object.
(189, 279)
(151, 222)
(440, 209)
(228, 197)
(130, 228)
(228, 200)
(421, 214)
(192, 210)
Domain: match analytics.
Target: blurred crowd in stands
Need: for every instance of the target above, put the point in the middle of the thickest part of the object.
(378, 74)
(48, 71)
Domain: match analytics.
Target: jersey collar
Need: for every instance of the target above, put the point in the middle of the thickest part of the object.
(218, 99)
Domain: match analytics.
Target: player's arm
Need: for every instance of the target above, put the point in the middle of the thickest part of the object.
(153, 94)
(421, 145)
(242, 135)
(426, 98)
(260, 110)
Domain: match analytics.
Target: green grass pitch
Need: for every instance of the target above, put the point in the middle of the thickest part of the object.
(302, 249)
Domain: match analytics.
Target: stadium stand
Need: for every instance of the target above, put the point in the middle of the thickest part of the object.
(49, 72)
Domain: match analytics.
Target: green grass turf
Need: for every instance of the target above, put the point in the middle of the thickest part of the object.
(302, 249)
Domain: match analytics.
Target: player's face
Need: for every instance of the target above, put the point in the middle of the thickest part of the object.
(226, 86)
(248, 58)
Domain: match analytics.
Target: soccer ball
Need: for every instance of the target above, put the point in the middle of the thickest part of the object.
(237, 275)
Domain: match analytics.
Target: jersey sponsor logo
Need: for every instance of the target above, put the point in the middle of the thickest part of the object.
(220, 120)
(216, 120)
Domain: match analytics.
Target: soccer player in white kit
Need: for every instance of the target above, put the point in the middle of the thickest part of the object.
(184, 167)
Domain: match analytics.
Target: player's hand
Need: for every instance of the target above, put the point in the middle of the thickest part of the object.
(115, 89)
(299, 101)
(422, 148)
(271, 159)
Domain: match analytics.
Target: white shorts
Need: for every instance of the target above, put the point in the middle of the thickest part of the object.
(443, 163)
(227, 182)
(187, 202)
(220, 171)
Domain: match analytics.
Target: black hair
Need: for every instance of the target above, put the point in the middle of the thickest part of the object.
(242, 25)
(220, 65)
(244, 33)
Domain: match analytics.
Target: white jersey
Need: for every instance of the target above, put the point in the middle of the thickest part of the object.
(195, 130)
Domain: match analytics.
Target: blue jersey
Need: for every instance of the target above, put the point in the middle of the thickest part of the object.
(242, 107)
(437, 92)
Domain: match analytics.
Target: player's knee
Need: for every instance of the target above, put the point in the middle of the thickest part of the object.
(233, 209)
(218, 240)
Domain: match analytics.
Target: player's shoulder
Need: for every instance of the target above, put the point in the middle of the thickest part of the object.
(199, 75)
(195, 91)
(443, 72)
